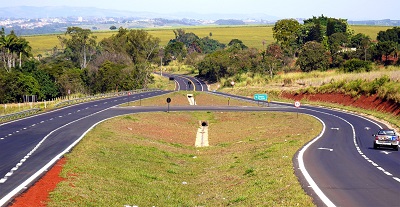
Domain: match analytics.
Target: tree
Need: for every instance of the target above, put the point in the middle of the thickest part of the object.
(336, 42)
(285, 32)
(174, 50)
(7, 46)
(48, 88)
(15, 85)
(336, 26)
(23, 48)
(273, 58)
(312, 56)
(81, 43)
(214, 66)
(386, 48)
(361, 41)
(109, 77)
(237, 44)
(311, 32)
(209, 45)
(138, 45)
(71, 80)
(392, 34)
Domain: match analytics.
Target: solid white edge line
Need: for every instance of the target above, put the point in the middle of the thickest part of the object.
(303, 169)
(22, 186)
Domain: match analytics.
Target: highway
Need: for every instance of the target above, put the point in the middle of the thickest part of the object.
(337, 168)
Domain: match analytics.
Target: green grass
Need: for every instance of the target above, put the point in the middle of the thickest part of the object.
(143, 161)
(252, 36)
(180, 99)
(162, 83)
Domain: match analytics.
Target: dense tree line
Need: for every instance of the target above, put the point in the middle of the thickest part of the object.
(319, 43)
(126, 60)
(123, 61)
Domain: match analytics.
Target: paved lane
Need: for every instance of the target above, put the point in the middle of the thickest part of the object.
(339, 168)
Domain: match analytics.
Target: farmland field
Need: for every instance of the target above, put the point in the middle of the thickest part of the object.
(252, 36)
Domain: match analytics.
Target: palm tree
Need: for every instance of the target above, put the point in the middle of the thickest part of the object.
(22, 48)
(7, 46)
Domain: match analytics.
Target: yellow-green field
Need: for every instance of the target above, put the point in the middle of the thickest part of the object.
(252, 36)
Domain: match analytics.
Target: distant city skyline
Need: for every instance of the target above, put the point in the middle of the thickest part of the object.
(346, 9)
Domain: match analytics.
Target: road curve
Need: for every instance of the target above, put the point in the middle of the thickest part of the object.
(338, 168)
(187, 83)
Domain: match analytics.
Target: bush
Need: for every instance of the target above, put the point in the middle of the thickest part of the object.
(356, 65)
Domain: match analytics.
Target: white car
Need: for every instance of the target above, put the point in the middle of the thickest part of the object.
(386, 138)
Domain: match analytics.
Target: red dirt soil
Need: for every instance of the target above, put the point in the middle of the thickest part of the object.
(366, 102)
(38, 194)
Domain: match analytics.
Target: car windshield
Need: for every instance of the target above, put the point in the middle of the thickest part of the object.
(386, 132)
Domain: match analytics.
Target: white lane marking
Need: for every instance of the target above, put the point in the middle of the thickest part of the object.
(2, 138)
(384, 152)
(355, 138)
(44, 139)
(305, 173)
(23, 185)
(335, 129)
(397, 179)
(322, 148)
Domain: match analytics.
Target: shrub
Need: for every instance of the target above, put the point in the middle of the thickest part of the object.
(357, 65)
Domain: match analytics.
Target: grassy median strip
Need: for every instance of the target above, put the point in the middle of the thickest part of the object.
(201, 98)
(149, 159)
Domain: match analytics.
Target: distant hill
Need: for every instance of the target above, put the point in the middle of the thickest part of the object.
(64, 11)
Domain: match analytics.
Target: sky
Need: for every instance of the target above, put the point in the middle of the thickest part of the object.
(345, 9)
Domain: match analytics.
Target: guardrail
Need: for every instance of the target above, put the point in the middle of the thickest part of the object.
(100, 96)
(20, 114)
(29, 112)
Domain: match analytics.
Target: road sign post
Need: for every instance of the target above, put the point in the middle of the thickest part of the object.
(168, 101)
(297, 105)
(129, 94)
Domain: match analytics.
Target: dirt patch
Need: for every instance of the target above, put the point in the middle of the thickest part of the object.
(38, 194)
(372, 102)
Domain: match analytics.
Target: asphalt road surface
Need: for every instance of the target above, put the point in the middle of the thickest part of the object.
(338, 168)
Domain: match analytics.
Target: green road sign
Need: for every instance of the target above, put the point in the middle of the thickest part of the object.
(260, 97)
